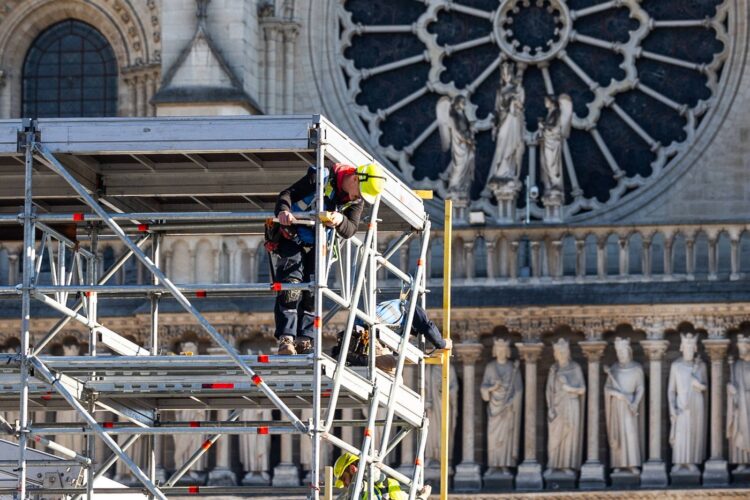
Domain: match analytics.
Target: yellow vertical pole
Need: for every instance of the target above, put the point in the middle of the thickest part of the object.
(444, 434)
(328, 491)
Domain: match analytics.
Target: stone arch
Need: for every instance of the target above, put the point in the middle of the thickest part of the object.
(180, 271)
(205, 261)
(135, 42)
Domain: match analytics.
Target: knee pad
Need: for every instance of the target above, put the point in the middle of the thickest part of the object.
(290, 297)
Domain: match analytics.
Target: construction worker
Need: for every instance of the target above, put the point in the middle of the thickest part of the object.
(345, 472)
(346, 189)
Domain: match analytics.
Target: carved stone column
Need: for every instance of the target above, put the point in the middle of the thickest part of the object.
(286, 473)
(491, 258)
(530, 471)
(715, 472)
(468, 475)
(222, 474)
(271, 60)
(290, 36)
(592, 472)
(12, 268)
(252, 264)
(654, 474)
(469, 259)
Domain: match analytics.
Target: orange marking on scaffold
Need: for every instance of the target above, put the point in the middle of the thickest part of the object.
(78, 217)
(316, 322)
(263, 430)
(420, 262)
(142, 227)
(368, 432)
(108, 425)
(193, 489)
(417, 462)
(206, 444)
(276, 287)
(194, 424)
(201, 294)
(263, 358)
(257, 380)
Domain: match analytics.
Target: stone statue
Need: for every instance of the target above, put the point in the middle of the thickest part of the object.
(565, 393)
(738, 407)
(502, 388)
(623, 406)
(687, 407)
(507, 131)
(554, 129)
(457, 135)
(433, 404)
(187, 444)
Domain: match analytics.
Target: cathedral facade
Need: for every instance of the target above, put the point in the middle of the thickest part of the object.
(596, 152)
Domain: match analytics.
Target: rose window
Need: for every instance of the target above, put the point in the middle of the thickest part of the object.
(642, 77)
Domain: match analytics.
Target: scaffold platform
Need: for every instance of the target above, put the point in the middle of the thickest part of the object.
(84, 181)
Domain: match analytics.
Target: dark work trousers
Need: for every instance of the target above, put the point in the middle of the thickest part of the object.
(295, 309)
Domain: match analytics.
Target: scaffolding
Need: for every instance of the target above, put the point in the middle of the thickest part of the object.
(83, 181)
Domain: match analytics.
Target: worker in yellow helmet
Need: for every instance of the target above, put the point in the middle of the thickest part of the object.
(347, 188)
(345, 473)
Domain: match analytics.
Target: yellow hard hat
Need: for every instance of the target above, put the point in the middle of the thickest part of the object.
(371, 181)
(342, 463)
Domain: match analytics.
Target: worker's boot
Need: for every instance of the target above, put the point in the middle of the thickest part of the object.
(425, 492)
(286, 346)
(304, 345)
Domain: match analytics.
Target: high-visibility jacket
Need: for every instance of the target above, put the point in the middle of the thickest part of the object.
(388, 489)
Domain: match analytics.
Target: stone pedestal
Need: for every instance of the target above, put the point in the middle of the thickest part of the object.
(497, 480)
(592, 476)
(432, 476)
(654, 474)
(684, 478)
(529, 477)
(460, 211)
(285, 475)
(625, 480)
(506, 193)
(256, 479)
(555, 479)
(553, 206)
(715, 473)
(468, 477)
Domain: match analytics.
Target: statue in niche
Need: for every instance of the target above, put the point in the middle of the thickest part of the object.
(565, 393)
(457, 135)
(255, 449)
(686, 393)
(623, 406)
(502, 388)
(553, 130)
(738, 407)
(187, 444)
(433, 405)
(508, 132)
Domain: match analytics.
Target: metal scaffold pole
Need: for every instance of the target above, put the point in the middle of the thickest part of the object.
(28, 267)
